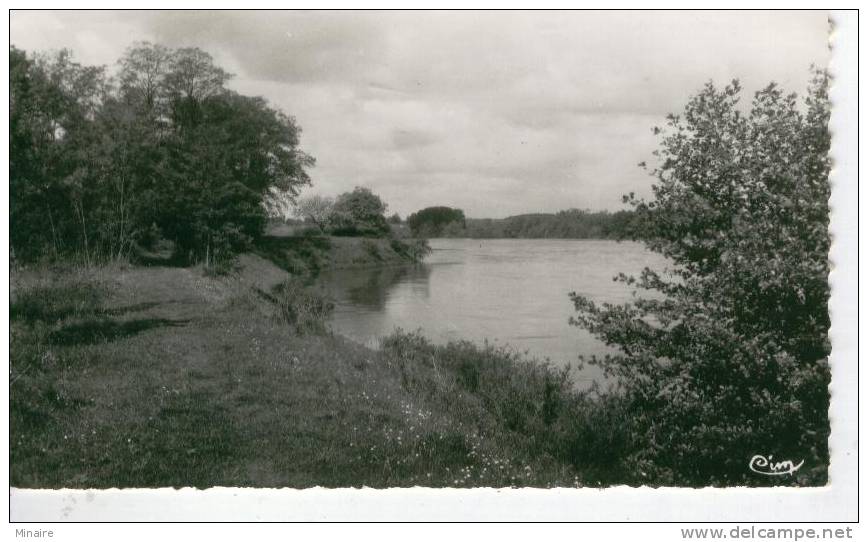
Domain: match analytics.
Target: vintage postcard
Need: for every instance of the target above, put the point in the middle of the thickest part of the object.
(375, 250)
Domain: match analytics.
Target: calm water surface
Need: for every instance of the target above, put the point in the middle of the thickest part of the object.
(509, 291)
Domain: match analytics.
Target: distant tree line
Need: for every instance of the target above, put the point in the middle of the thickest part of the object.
(568, 224)
(432, 221)
(102, 164)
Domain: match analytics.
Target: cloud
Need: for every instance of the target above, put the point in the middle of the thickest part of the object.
(409, 139)
(495, 112)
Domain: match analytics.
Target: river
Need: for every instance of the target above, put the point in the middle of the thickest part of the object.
(511, 292)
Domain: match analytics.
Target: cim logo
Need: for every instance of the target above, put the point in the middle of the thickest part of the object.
(761, 464)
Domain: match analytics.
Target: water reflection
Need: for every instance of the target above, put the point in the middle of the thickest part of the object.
(507, 291)
(370, 289)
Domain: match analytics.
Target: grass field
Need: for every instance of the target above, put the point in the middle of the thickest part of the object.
(128, 376)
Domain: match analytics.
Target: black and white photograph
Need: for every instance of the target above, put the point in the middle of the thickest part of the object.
(421, 249)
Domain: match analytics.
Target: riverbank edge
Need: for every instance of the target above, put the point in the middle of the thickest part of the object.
(309, 255)
(419, 413)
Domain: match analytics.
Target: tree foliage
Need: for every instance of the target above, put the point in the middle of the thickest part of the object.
(360, 212)
(730, 358)
(99, 165)
(315, 208)
(431, 221)
(567, 224)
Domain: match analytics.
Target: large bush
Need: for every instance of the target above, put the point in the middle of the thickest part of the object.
(730, 359)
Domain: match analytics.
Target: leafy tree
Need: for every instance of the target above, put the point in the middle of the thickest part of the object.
(34, 106)
(192, 75)
(191, 79)
(144, 70)
(729, 359)
(360, 212)
(56, 173)
(395, 219)
(224, 167)
(169, 151)
(431, 221)
(316, 209)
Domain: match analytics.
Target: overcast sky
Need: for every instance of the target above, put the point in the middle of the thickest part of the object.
(497, 113)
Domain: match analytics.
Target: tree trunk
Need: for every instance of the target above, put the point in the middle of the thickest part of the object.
(79, 208)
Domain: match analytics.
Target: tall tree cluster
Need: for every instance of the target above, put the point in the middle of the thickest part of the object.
(730, 358)
(101, 163)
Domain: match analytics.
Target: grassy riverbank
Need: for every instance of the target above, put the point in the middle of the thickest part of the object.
(127, 376)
